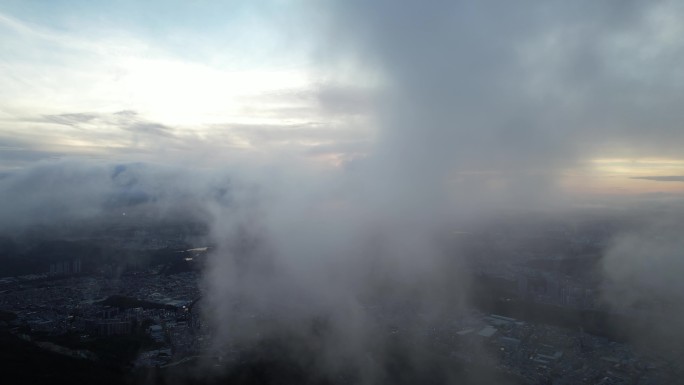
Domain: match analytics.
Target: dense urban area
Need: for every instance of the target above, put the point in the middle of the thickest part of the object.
(534, 314)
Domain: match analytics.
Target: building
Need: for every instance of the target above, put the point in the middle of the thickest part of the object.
(66, 267)
(109, 327)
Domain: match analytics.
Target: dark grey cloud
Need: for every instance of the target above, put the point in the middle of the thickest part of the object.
(126, 113)
(519, 87)
(149, 128)
(671, 178)
(128, 120)
(123, 134)
(131, 121)
(120, 136)
(70, 119)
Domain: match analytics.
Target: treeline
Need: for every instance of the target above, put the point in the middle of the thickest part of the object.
(123, 302)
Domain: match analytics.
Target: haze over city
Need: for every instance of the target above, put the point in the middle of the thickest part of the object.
(351, 187)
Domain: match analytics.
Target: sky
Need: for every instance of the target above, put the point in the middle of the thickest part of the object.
(121, 80)
(585, 97)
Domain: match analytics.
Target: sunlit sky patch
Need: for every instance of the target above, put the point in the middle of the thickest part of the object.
(79, 77)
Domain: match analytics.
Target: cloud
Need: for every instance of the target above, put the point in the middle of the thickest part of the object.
(57, 193)
(513, 88)
(150, 128)
(672, 178)
(70, 119)
(126, 120)
(642, 269)
(482, 105)
(130, 121)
